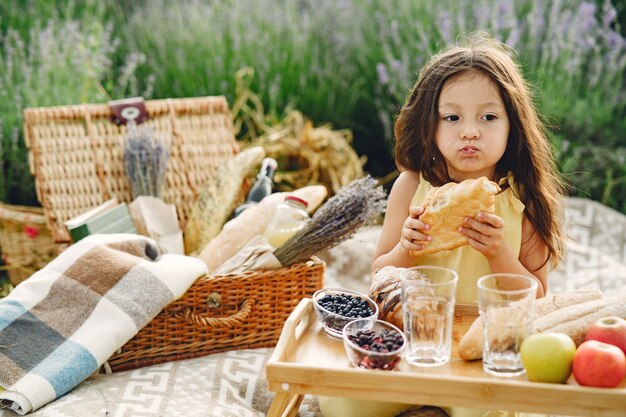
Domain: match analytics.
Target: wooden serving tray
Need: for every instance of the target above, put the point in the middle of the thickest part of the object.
(308, 361)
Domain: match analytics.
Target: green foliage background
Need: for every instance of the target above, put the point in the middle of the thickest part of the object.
(348, 62)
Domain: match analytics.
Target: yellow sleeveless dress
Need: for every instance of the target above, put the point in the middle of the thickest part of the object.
(466, 261)
(470, 265)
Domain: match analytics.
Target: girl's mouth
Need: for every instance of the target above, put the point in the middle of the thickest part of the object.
(469, 150)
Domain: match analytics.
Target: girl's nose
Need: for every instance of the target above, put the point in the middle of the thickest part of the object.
(470, 131)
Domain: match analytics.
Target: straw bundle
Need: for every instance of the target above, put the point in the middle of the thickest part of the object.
(306, 154)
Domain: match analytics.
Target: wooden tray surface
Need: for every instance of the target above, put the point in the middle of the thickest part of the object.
(308, 361)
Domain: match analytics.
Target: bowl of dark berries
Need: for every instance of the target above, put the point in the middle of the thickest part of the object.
(336, 307)
(373, 344)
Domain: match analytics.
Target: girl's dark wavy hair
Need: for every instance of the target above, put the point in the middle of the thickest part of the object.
(529, 154)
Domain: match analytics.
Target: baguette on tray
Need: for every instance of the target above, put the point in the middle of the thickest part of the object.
(387, 294)
(385, 291)
(557, 312)
(575, 320)
(446, 207)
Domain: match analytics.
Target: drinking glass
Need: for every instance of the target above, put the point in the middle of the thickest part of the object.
(428, 297)
(506, 305)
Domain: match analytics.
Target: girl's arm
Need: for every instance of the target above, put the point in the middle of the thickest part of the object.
(486, 233)
(400, 229)
(534, 255)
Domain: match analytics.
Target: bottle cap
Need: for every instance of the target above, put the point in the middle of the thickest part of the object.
(297, 200)
(268, 167)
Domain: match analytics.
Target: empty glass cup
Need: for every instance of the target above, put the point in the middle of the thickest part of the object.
(506, 304)
(428, 297)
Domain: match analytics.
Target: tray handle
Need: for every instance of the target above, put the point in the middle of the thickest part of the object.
(293, 330)
(221, 322)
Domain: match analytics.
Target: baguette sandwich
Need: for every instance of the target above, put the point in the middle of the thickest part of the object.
(446, 207)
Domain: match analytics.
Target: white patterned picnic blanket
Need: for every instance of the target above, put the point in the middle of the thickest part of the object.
(595, 255)
(233, 383)
(59, 326)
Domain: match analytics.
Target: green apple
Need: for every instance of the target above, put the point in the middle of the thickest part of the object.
(548, 357)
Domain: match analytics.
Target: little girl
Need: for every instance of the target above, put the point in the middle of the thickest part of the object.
(470, 114)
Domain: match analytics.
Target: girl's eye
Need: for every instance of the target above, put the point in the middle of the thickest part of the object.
(489, 117)
(451, 118)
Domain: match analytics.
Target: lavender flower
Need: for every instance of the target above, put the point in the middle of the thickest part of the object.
(354, 205)
(610, 14)
(613, 40)
(504, 10)
(513, 38)
(381, 70)
(145, 160)
(53, 62)
(587, 11)
(445, 26)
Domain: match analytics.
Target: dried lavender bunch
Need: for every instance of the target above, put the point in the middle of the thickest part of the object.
(145, 160)
(338, 219)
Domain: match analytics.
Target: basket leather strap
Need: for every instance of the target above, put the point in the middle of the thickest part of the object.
(221, 322)
(91, 134)
(128, 110)
(178, 141)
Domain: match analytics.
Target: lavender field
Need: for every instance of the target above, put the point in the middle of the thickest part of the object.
(347, 62)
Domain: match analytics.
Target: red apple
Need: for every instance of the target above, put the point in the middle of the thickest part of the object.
(611, 330)
(598, 364)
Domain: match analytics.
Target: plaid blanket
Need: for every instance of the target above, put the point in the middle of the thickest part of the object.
(60, 325)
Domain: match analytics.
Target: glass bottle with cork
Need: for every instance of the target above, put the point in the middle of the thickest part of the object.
(289, 217)
(262, 186)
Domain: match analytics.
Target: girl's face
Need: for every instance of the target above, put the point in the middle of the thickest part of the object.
(473, 126)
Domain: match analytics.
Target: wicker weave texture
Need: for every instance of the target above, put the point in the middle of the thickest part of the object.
(26, 243)
(220, 313)
(76, 154)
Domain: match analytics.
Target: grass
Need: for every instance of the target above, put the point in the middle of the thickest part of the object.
(347, 62)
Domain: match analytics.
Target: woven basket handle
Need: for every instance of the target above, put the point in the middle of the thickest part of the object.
(222, 322)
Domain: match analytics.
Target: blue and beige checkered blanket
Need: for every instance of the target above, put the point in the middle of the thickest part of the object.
(59, 326)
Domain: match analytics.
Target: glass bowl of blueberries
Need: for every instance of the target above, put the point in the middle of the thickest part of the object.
(336, 307)
(373, 344)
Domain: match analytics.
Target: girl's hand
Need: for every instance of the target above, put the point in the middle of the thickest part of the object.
(413, 236)
(485, 233)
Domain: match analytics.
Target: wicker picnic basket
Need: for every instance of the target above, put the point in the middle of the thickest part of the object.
(76, 154)
(76, 158)
(220, 313)
(25, 241)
